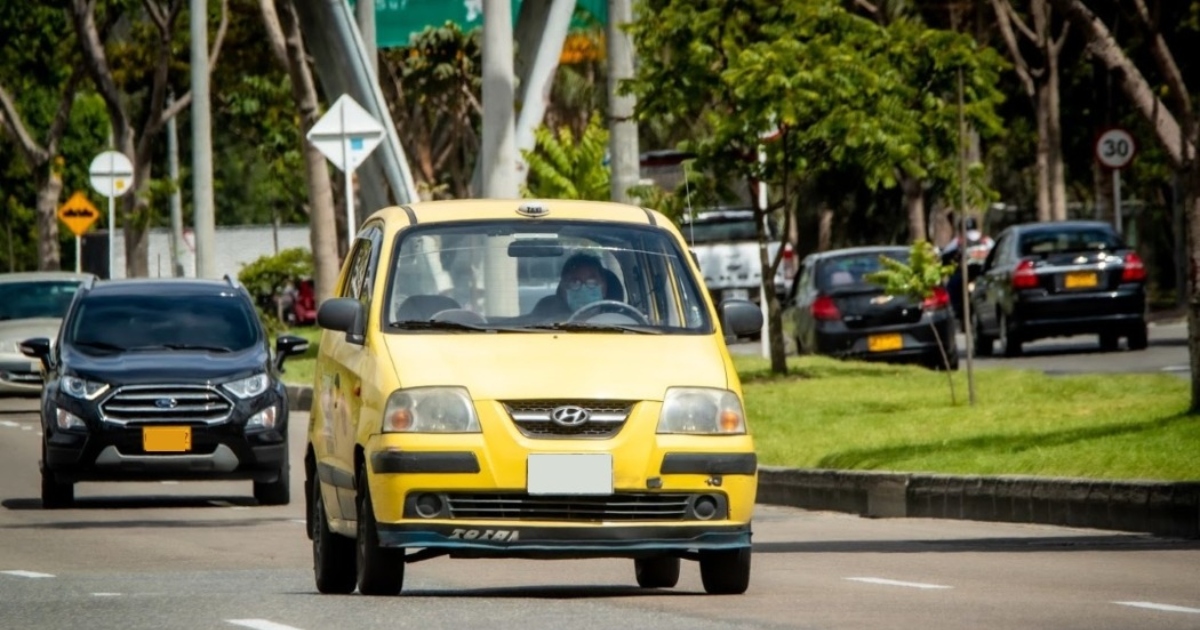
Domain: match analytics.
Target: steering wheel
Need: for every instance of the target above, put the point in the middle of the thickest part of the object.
(595, 308)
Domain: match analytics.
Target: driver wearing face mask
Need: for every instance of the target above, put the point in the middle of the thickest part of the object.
(582, 281)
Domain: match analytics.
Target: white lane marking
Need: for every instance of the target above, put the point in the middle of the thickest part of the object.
(260, 624)
(1177, 368)
(9, 423)
(300, 521)
(871, 580)
(1164, 607)
(169, 483)
(106, 594)
(27, 574)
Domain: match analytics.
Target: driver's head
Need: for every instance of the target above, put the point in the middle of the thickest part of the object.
(582, 281)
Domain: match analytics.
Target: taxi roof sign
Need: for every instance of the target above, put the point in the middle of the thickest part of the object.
(78, 213)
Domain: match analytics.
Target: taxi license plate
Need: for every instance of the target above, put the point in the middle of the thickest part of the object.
(1080, 280)
(883, 343)
(570, 473)
(166, 439)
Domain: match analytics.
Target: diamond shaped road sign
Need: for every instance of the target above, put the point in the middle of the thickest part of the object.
(346, 134)
(78, 213)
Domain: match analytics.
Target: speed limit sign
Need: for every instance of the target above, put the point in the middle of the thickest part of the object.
(1115, 148)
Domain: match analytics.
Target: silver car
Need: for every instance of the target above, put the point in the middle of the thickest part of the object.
(32, 304)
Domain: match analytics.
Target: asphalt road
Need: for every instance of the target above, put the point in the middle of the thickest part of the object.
(1167, 353)
(203, 555)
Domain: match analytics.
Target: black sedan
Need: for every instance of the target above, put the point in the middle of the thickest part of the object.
(835, 311)
(1059, 279)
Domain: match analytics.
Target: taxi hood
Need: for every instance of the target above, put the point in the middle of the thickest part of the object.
(528, 366)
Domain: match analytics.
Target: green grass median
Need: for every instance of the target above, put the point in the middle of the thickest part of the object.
(835, 414)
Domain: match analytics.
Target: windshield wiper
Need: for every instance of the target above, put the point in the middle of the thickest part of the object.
(98, 345)
(437, 325)
(183, 346)
(588, 327)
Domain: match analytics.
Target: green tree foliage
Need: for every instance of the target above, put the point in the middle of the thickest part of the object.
(564, 167)
(268, 276)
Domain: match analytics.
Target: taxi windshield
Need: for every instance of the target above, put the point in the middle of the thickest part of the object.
(547, 276)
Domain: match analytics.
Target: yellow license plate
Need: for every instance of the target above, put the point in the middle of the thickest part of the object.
(166, 439)
(883, 343)
(1080, 280)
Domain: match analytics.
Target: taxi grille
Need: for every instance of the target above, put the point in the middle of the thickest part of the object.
(533, 418)
(166, 403)
(617, 507)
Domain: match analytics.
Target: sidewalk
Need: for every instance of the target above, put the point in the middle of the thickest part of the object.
(1159, 508)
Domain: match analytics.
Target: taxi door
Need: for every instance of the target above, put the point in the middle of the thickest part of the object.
(344, 362)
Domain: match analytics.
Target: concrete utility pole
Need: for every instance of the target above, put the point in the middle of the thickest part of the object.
(366, 28)
(623, 132)
(542, 27)
(202, 173)
(499, 154)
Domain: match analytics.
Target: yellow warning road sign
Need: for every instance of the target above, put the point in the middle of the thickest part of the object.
(78, 213)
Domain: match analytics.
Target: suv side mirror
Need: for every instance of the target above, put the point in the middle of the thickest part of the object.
(740, 317)
(37, 348)
(288, 346)
(346, 315)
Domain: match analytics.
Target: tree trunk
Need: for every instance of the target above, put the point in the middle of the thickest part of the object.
(825, 230)
(49, 193)
(137, 218)
(1191, 200)
(322, 229)
(1042, 103)
(914, 202)
(1057, 179)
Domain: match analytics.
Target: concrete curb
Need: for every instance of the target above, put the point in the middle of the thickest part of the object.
(1159, 508)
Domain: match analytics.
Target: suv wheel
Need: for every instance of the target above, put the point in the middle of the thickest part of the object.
(55, 494)
(656, 572)
(725, 571)
(276, 492)
(380, 570)
(333, 555)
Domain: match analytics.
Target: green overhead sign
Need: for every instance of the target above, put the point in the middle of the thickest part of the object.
(397, 21)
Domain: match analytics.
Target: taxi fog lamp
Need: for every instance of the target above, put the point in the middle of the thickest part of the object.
(702, 411)
(705, 508)
(66, 420)
(78, 388)
(428, 505)
(430, 410)
(264, 419)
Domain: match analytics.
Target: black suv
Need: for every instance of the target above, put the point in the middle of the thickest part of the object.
(163, 379)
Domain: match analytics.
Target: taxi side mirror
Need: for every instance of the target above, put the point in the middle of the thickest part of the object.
(346, 315)
(740, 317)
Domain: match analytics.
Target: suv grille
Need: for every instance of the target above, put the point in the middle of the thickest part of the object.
(617, 507)
(533, 418)
(166, 403)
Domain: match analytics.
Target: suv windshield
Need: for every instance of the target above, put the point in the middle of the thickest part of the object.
(108, 323)
(25, 300)
(507, 275)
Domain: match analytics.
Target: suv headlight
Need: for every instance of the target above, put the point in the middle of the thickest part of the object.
(248, 387)
(79, 388)
(704, 411)
(430, 410)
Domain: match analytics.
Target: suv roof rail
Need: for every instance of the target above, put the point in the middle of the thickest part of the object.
(232, 281)
(88, 283)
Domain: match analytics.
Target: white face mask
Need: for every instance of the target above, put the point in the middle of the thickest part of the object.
(583, 295)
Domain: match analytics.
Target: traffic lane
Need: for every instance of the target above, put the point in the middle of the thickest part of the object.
(197, 523)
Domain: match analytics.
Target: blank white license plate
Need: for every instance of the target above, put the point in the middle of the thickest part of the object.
(570, 473)
(737, 294)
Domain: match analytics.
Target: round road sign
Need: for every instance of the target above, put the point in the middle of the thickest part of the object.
(1115, 148)
(111, 174)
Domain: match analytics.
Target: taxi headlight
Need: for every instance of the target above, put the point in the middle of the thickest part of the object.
(430, 410)
(248, 387)
(78, 388)
(701, 410)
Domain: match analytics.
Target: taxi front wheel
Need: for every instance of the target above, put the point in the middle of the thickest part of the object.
(380, 570)
(656, 572)
(333, 555)
(725, 571)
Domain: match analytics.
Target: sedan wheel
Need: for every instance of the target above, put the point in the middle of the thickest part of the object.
(983, 343)
(1009, 341)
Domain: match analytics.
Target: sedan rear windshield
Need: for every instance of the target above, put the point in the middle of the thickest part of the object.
(218, 323)
(849, 273)
(1045, 242)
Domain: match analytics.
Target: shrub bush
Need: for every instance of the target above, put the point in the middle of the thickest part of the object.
(268, 276)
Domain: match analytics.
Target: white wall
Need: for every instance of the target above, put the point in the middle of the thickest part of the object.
(236, 246)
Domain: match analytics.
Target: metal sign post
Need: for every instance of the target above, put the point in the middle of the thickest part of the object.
(346, 135)
(111, 174)
(1115, 148)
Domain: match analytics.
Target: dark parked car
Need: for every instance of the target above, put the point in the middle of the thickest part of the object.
(837, 312)
(163, 379)
(1059, 279)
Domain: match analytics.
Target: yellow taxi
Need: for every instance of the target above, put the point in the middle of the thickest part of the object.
(527, 379)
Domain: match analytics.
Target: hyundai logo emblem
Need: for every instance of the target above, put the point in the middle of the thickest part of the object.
(569, 416)
(166, 403)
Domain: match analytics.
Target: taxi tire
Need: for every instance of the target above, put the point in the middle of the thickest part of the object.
(661, 572)
(333, 555)
(725, 571)
(55, 494)
(380, 570)
(276, 492)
